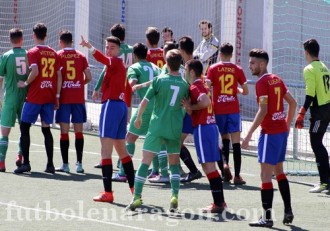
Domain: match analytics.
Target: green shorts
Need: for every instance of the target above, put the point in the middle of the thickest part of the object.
(155, 144)
(144, 126)
(10, 112)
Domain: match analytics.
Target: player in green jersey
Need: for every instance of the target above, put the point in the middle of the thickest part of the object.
(165, 126)
(13, 67)
(140, 72)
(317, 79)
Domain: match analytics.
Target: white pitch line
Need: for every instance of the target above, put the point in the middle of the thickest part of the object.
(73, 216)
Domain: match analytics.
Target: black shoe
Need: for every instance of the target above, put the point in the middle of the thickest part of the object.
(288, 218)
(50, 168)
(262, 223)
(99, 165)
(23, 168)
(191, 176)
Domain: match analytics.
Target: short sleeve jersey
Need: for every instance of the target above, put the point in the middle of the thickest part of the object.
(143, 71)
(317, 79)
(270, 90)
(73, 64)
(203, 116)
(13, 68)
(225, 77)
(114, 81)
(42, 90)
(155, 56)
(167, 116)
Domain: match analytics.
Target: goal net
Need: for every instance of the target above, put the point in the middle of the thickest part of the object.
(278, 26)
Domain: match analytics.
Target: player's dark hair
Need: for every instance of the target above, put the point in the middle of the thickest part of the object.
(66, 37)
(209, 24)
(186, 44)
(40, 30)
(118, 30)
(140, 50)
(174, 59)
(153, 35)
(259, 53)
(113, 39)
(15, 35)
(196, 66)
(226, 49)
(167, 29)
(312, 47)
(169, 46)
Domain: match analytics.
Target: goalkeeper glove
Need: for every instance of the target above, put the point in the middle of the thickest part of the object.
(300, 118)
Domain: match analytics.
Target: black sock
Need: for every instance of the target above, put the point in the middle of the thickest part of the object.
(267, 194)
(129, 170)
(49, 144)
(237, 158)
(186, 158)
(79, 144)
(220, 162)
(321, 156)
(107, 174)
(225, 150)
(64, 146)
(216, 188)
(25, 141)
(283, 185)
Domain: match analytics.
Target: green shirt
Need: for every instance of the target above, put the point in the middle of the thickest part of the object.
(167, 116)
(14, 67)
(181, 70)
(126, 54)
(317, 79)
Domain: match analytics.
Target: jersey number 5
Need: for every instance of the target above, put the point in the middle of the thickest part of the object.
(20, 65)
(71, 71)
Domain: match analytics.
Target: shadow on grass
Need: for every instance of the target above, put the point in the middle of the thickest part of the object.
(202, 186)
(62, 176)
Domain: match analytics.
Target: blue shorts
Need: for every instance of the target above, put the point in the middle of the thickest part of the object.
(31, 111)
(229, 123)
(272, 148)
(187, 124)
(113, 120)
(206, 139)
(76, 111)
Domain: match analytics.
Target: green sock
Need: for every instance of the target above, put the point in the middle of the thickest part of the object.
(162, 157)
(3, 147)
(140, 178)
(175, 180)
(155, 164)
(130, 147)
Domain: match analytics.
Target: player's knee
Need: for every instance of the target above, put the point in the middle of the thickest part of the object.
(25, 128)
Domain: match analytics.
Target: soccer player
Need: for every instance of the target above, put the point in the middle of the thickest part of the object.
(126, 54)
(13, 67)
(208, 49)
(113, 117)
(44, 81)
(186, 47)
(271, 91)
(167, 35)
(168, 90)
(75, 73)
(155, 53)
(206, 133)
(225, 77)
(140, 72)
(317, 77)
